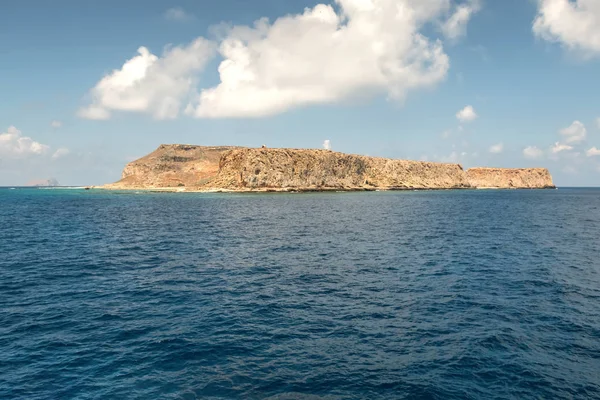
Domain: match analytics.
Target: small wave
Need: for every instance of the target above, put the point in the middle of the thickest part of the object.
(62, 188)
(300, 396)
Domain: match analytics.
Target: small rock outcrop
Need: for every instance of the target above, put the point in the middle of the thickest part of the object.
(204, 168)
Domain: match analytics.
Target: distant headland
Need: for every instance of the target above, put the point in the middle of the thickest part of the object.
(182, 167)
(43, 182)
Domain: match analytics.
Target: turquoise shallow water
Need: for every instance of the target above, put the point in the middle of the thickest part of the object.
(421, 295)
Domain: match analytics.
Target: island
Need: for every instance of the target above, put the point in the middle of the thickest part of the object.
(50, 182)
(184, 167)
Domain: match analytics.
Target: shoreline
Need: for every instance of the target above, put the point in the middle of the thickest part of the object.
(300, 190)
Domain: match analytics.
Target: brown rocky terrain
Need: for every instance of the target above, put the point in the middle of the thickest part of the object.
(201, 168)
(172, 166)
(517, 178)
(304, 169)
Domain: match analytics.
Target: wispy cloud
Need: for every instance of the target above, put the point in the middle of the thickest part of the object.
(178, 14)
(532, 152)
(575, 133)
(456, 26)
(559, 147)
(481, 51)
(59, 153)
(497, 148)
(593, 152)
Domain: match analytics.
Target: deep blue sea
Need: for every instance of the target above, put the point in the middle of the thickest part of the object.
(468, 294)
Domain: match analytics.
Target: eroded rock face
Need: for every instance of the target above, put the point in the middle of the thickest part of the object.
(510, 178)
(322, 169)
(173, 165)
(188, 167)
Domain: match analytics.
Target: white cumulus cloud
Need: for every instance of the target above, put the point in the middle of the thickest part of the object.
(56, 124)
(14, 144)
(325, 56)
(575, 133)
(454, 157)
(94, 112)
(573, 23)
(598, 123)
(467, 114)
(593, 152)
(532, 152)
(327, 144)
(558, 147)
(151, 84)
(497, 148)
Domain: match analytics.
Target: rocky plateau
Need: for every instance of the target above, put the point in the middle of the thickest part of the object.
(178, 167)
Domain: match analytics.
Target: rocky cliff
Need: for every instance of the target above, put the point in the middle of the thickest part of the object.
(322, 169)
(508, 178)
(188, 167)
(171, 166)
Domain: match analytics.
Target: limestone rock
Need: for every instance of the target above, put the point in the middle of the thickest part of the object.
(172, 166)
(202, 168)
(510, 178)
(305, 169)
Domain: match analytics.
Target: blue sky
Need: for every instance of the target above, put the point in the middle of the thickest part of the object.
(379, 77)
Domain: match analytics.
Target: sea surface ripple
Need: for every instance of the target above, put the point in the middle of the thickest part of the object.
(403, 295)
